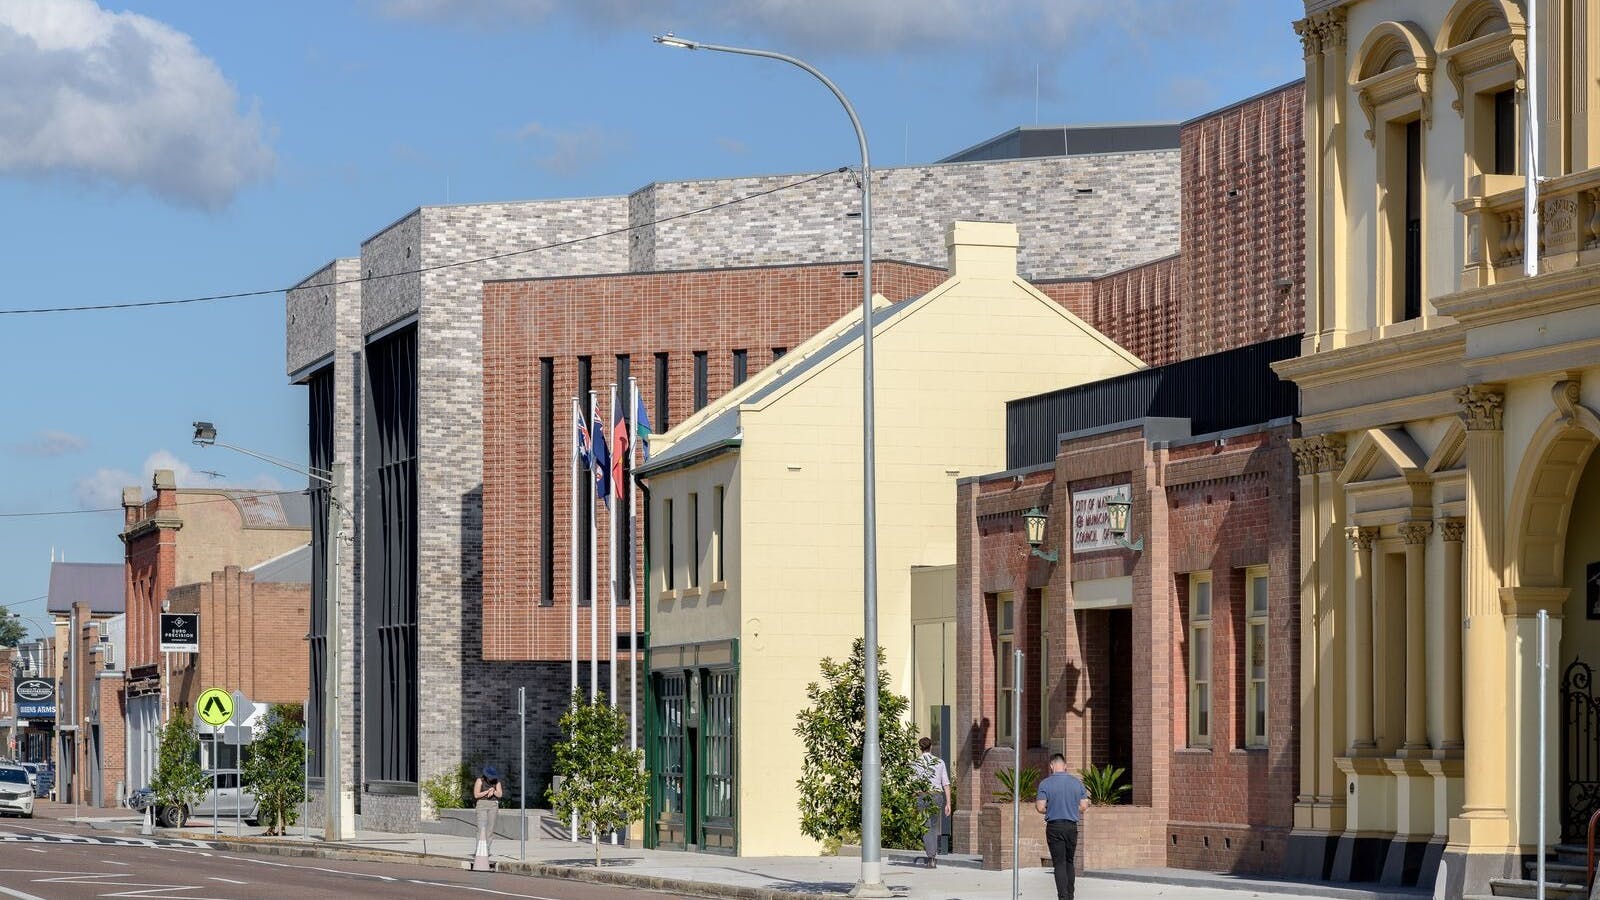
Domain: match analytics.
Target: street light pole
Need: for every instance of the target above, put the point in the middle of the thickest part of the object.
(871, 883)
(335, 825)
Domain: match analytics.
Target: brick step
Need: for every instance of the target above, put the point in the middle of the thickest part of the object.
(1526, 889)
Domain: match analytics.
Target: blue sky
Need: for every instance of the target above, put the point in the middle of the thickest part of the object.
(169, 148)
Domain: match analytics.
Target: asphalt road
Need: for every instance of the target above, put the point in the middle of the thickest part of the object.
(43, 859)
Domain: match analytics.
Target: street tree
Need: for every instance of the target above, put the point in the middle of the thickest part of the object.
(178, 782)
(274, 769)
(12, 629)
(833, 731)
(603, 782)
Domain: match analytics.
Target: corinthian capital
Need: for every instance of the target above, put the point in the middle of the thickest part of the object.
(1361, 536)
(1415, 532)
(1481, 407)
(1452, 529)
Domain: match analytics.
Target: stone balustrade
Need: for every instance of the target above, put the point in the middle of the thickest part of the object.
(1569, 226)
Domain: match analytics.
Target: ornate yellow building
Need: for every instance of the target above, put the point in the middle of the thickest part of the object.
(1448, 490)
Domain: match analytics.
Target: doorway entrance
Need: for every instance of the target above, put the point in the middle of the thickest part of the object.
(693, 784)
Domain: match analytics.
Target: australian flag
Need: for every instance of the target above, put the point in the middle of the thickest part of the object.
(600, 461)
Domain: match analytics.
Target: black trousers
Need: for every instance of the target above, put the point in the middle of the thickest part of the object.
(1062, 838)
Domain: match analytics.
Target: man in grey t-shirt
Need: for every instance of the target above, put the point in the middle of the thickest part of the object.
(1063, 801)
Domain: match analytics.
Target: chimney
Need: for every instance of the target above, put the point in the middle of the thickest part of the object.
(165, 482)
(132, 506)
(982, 249)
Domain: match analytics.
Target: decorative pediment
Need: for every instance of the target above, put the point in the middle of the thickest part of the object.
(1447, 455)
(1394, 65)
(1381, 453)
(1478, 35)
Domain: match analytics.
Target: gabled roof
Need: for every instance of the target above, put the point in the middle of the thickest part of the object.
(721, 427)
(98, 584)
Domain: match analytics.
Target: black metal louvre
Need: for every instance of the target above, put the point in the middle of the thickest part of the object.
(1231, 389)
(320, 456)
(391, 560)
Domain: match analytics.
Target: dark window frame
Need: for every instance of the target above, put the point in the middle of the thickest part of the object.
(319, 458)
(663, 393)
(702, 378)
(741, 367)
(586, 490)
(547, 481)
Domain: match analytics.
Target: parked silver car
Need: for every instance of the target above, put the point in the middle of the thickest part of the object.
(16, 794)
(224, 801)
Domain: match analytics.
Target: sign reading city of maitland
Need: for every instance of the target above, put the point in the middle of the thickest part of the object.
(215, 707)
(1091, 521)
(180, 632)
(36, 699)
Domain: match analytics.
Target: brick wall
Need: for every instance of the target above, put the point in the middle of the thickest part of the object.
(562, 319)
(1243, 238)
(252, 639)
(1200, 505)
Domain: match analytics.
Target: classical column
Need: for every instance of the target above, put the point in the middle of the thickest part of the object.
(1415, 535)
(1484, 646)
(1450, 532)
(1305, 460)
(1358, 647)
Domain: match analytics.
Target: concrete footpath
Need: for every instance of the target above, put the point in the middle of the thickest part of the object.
(740, 878)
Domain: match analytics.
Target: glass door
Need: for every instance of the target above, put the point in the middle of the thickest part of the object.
(671, 820)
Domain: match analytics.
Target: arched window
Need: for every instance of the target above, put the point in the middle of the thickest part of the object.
(1392, 77)
(1483, 46)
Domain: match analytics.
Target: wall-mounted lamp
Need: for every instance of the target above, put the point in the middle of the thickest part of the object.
(1033, 523)
(1117, 509)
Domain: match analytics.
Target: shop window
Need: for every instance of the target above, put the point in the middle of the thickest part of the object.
(1005, 643)
(1200, 659)
(1256, 658)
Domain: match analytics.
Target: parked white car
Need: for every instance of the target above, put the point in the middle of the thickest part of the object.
(16, 793)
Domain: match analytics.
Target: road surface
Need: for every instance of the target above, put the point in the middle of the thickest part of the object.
(45, 859)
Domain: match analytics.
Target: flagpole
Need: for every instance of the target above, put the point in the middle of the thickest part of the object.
(1530, 193)
(611, 523)
(594, 575)
(577, 481)
(577, 419)
(633, 581)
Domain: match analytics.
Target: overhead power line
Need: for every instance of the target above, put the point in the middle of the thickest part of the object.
(252, 495)
(239, 295)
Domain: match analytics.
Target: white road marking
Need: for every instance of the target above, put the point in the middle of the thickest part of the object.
(34, 849)
(19, 895)
(468, 887)
(228, 880)
(266, 862)
(109, 862)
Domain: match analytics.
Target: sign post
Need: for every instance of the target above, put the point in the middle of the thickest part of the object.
(215, 708)
(243, 709)
(522, 764)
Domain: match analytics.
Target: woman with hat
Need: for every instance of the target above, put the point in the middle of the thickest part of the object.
(486, 793)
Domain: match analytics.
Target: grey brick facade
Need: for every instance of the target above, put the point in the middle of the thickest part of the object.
(1077, 216)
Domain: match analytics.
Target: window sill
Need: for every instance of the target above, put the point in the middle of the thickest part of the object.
(717, 586)
(668, 594)
(1196, 751)
(1249, 750)
(392, 788)
(691, 592)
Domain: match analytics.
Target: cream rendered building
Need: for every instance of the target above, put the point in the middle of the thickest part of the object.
(754, 529)
(1448, 492)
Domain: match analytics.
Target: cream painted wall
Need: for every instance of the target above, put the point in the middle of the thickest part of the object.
(944, 372)
(1580, 635)
(214, 537)
(712, 615)
(933, 640)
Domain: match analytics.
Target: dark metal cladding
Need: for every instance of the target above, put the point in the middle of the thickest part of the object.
(1231, 389)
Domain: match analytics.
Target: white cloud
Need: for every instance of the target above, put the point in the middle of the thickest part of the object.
(50, 443)
(829, 25)
(103, 488)
(121, 98)
(567, 151)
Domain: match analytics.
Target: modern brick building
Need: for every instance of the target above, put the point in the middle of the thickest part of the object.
(1170, 655)
(419, 383)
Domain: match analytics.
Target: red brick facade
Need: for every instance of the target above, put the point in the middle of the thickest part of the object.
(716, 312)
(150, 552)
(1115, 681)
(252, 639)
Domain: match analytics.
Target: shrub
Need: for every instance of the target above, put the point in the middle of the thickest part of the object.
(1101, 784)
(605, 784)
(274, 769)
(1029, 777)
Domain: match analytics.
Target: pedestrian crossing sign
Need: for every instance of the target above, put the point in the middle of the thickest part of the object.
(215, 707)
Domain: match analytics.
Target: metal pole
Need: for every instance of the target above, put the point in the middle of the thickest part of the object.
(1544, 643)
(594, 577)
(332, 776)
(1530, 195)
(573, 552)
(633, 581)
(305, 775)
(1016, 774)
(522, 765)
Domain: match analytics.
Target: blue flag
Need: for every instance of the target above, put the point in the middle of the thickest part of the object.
(601, 461)
(580, 435)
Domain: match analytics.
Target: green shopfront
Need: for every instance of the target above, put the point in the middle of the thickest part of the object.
(692, 758)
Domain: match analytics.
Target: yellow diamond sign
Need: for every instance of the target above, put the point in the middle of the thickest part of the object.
(215, 707)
